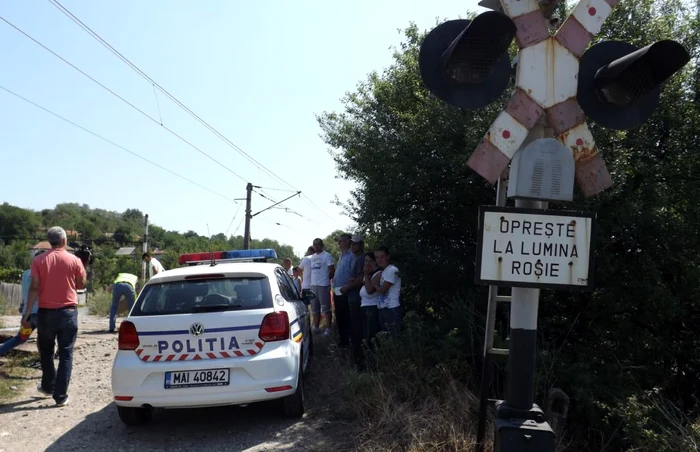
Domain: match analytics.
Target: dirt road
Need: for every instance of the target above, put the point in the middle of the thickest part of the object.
(30, 423)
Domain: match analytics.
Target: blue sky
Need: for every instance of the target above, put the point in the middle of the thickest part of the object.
(257, 71)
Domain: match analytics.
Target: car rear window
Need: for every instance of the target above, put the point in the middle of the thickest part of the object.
(204, 295)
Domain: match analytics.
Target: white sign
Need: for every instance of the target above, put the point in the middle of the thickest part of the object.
(530, 248)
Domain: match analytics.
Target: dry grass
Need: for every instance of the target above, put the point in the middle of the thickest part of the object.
(99, 302)
(3, 308)
(15, 372)
(406, 404)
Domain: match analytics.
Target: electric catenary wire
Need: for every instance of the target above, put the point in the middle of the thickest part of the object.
(97, 37)
(184, 140)
(113, 143)
(232, 219)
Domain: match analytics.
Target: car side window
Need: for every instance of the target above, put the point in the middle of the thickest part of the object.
(285, 289)
(292, 285)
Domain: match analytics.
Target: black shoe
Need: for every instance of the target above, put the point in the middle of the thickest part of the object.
(111, 330)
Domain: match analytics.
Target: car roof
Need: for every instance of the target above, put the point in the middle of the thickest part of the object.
(229, 269)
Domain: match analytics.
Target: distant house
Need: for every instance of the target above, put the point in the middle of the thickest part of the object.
(126, 251)
(44, 245)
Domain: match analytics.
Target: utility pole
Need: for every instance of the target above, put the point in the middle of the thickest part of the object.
(248, 216)
(145, 250)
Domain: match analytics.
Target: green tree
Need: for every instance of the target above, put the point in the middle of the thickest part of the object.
(17, 223)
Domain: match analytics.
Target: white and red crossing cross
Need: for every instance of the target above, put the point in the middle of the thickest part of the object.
(546, 82)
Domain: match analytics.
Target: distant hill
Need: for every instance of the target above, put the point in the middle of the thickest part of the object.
(106, 231)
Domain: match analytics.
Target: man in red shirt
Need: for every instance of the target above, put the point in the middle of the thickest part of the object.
(56, 275)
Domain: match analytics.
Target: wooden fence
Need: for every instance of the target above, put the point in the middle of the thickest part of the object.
(12, 294)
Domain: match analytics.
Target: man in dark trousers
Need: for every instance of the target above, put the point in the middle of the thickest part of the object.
(125, 286)
(56, 275)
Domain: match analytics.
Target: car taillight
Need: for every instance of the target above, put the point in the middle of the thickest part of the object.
(275, 327)
(128, 337)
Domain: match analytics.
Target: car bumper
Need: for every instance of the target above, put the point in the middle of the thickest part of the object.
(251, 378)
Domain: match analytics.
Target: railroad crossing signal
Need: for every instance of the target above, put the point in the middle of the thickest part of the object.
(463, 63)
(619, 84)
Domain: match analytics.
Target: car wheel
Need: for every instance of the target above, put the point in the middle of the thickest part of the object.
(134, 416)
(293, 404)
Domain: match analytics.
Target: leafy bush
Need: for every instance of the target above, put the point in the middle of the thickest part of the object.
(11, 275)
(99, 302)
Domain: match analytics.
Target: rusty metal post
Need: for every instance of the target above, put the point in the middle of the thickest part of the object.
(489, 351)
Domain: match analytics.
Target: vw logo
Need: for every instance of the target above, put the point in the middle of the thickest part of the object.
(197, 329)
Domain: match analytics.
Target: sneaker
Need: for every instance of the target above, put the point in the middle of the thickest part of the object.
(63, 402)
(316, 330)
(327, 332)
(43, 391)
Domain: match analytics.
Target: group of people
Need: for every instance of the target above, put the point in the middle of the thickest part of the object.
(366, 290)
(50, 305)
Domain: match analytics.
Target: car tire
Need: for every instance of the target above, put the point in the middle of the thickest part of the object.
(293, 404)
(133, 416)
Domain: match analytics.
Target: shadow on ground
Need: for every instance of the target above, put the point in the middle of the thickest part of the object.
(253, 428)
(257, 427)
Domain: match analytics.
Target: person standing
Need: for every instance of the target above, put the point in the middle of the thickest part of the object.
(370, 298)
(124, 286)
(305, 267)
(287, 264)
(351, 291)
(341, 282)
(296, 277)
(322, 271)
(389, 290)
(154, 265)
(56, 275)
(23, 333)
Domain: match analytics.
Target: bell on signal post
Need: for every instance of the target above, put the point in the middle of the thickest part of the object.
(465, 63)
(619, 85)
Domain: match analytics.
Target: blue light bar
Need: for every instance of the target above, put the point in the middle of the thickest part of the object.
(247, 254)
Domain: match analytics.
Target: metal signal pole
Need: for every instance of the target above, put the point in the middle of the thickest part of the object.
(145, 250)
(248, 216)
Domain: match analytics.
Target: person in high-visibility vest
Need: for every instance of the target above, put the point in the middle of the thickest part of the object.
(125, 285)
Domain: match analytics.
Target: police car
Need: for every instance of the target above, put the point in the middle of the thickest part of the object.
(229, 328)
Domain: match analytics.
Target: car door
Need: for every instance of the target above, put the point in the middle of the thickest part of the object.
(290, 293)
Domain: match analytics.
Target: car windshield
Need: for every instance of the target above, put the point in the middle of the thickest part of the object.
(204, 295)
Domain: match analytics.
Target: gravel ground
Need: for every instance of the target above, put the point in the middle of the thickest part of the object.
(90, 422)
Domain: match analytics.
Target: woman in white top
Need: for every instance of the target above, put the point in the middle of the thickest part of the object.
(370, 298)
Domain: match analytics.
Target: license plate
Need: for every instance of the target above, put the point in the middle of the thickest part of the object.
(197, 378)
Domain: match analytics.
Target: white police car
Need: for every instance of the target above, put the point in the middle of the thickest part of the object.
(226, 330)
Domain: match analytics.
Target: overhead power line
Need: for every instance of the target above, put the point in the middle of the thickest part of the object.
(125, 60)
(135, 154)
(232, 219)
(184, 140)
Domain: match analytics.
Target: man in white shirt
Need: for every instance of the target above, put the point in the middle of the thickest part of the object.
(389, 292)
(305, 266)
(322, 271)
(154, 265)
